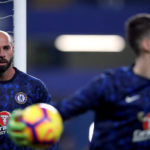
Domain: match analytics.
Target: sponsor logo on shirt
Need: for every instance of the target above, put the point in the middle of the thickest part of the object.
(142, 135)
(21, 98)
(4, 118)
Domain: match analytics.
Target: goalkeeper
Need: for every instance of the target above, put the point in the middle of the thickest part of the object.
(120, 98)
(17, 89)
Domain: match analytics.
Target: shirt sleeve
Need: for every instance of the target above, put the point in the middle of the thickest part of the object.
(86, 98)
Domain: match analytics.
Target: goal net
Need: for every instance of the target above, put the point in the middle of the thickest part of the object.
(13, 21)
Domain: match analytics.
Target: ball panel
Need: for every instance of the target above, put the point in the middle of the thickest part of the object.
(32, 114)
(57, 122)
(29, 133)
(44, 131)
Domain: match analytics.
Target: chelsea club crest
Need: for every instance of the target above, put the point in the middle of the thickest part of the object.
(21, 98)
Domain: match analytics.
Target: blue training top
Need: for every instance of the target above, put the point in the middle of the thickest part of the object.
(19, 92)
(120, 100)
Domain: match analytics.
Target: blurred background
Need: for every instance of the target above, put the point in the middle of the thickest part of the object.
(65, 72)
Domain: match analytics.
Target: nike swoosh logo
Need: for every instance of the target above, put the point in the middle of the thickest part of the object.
(133, 98)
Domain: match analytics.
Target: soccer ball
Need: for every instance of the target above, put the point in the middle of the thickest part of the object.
(44, 125)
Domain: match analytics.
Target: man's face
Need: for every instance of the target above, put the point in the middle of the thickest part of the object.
(6, 52)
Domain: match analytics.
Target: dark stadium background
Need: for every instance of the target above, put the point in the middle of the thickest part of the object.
(63, 73)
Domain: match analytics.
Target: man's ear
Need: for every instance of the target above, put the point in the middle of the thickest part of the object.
(13, 50)
(145, 44)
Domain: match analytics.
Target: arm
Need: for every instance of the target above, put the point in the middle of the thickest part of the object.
(87, 98)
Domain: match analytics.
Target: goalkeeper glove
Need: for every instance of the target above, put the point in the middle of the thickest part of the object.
(15, 129)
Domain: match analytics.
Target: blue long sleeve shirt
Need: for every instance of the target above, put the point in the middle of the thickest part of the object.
(19, 92)
(120, 101)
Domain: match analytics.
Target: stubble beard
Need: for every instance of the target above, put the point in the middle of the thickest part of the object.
(4, 68)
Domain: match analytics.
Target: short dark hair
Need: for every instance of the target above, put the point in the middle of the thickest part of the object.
(137, 27)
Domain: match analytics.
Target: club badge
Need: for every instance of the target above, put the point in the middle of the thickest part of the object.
(21, 98)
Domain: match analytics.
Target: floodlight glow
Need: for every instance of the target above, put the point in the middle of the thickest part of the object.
(90, 43)
(91, 129)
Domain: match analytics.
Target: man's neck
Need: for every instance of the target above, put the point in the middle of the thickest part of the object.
(142, 66)
(8, 74)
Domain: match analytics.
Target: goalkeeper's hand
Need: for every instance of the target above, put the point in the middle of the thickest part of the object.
(15, 129)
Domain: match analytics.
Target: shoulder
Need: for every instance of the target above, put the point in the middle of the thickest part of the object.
(25, 77)
(117, 72)
(111, 75)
